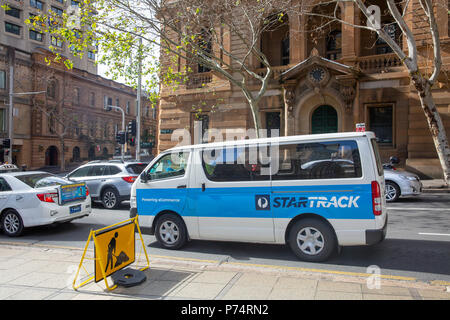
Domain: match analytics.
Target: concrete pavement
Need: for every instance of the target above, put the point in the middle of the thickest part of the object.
(34, 272)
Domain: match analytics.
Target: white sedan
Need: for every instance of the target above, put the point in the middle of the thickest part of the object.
(34, 198)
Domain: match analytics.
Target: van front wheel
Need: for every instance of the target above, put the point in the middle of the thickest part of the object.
(312, 240)
(171, 232)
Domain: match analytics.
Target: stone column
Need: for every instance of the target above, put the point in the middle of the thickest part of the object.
(289, 103)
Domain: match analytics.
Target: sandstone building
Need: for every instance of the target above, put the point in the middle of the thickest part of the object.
(326, 83)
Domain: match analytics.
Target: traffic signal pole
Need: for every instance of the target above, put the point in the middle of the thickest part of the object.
(138, 105)
(123, 126)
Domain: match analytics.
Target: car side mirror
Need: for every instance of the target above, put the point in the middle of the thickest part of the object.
(394, 160)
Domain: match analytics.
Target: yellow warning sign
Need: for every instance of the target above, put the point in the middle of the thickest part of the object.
(114, 250)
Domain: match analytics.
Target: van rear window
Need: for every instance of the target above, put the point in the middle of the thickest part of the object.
(377, 156)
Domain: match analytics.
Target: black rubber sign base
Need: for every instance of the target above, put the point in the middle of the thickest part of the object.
(128, 277)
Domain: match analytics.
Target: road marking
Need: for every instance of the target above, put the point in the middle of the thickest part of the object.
(434, 234)
(424, 209)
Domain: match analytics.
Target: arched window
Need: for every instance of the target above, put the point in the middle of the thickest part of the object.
(205, 44)
(324, 120)
(51, 89)
(275, 42)
(334, 45)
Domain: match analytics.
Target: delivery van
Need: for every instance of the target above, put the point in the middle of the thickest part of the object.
(314, 193)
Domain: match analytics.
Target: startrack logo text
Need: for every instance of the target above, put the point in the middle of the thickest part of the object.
(316, 202)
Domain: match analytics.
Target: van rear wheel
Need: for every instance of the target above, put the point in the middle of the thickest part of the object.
(170, 231)
(312, 240)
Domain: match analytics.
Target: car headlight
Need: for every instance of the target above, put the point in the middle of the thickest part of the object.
(410, 178)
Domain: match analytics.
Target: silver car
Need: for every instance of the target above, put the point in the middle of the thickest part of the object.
(401, 184)
(108, 181)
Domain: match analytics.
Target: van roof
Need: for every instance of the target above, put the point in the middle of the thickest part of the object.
(308, 137)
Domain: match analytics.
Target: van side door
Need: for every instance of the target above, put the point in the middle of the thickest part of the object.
(231, 197)
(167, 185)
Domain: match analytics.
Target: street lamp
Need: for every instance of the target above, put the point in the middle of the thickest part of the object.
(108, 108)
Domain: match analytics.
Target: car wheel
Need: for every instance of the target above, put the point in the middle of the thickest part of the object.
(171, 232)
(110, 198)
(312, 240)
(392, 191)
(12, 224)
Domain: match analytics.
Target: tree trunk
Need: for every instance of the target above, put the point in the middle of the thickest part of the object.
(435, 125)
(256, 117)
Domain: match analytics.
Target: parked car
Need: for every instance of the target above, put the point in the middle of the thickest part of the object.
(37, 198)
(399, 183)
(108, 181)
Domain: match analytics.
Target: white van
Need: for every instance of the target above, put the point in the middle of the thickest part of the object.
(312, 192)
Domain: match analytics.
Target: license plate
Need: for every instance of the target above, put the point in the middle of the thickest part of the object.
(75, 209)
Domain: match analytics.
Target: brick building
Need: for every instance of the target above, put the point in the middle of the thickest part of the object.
(82, 96)
(326, 83)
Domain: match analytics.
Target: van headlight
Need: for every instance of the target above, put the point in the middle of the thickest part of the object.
(133, 202)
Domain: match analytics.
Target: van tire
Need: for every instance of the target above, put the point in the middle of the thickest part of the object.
(312, 240)
(171, 231)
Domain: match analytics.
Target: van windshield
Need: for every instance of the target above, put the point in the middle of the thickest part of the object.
(377, 156)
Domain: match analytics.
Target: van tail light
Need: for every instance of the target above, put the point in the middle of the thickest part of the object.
(48, 197)
(130, 179)
(376, 198)
(87, 191)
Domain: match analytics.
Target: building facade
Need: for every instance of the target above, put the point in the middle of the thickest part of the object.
(74, 101)
(326, 82)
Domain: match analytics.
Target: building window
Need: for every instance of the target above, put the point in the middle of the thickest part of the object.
(57, 11)
(36, 36)
(2, 79)
(334, 45)
(273, 122)
(91, 55)
(75, 3)
(51, 89)
(76, 96)
(381, 123)
(285, 51)
(55, 41)
(3, 119)
(13, 12)
(12, 28)
(127, 110)
(393, 31)
(154, 113)
(92, 99)
(37, 4)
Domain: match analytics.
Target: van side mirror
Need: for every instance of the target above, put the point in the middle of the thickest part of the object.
(144, 177)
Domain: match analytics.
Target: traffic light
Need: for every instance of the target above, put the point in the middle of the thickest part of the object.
(121, 137)
(132, 141)
(132, 128)
(117, 151)
(6, 143)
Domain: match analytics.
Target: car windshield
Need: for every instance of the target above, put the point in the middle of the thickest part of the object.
(136, 168)
(39, 180)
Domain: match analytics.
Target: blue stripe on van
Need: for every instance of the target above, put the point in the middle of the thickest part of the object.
(331, 202)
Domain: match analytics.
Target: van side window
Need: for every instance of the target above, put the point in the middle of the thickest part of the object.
(4, 186)
(235, 164)
(169, 165)
(319, 160)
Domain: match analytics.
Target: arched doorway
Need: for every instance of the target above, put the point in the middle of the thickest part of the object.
(91, 153)
(324, 120)
(51, 156)
(76, 154)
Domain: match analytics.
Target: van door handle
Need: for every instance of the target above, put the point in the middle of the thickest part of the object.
(183, 186)
(203, 187)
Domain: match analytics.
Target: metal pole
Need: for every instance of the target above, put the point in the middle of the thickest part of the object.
(138, 105)
(123, 125)
(11, 104)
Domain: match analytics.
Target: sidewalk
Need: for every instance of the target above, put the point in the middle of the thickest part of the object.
(32, 272)
(435, 186)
